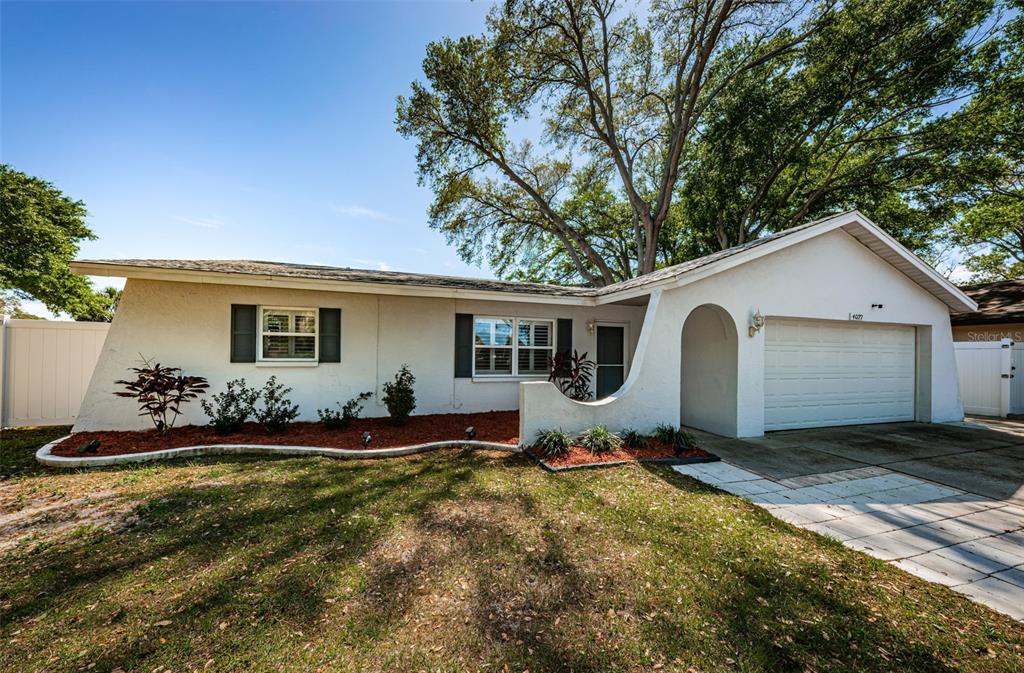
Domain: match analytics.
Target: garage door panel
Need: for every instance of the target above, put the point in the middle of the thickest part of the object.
(821, 373)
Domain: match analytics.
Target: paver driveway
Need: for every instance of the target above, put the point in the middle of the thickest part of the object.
(944, 502)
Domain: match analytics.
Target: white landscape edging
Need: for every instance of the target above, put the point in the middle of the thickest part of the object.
(45, 454)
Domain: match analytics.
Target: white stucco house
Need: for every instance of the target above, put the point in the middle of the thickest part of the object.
(830, 323)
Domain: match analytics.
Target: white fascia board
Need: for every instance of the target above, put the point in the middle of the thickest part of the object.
(264, 280)
(969, 305)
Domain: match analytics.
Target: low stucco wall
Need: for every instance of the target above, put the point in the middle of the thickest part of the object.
(827, 278)
(188, 325)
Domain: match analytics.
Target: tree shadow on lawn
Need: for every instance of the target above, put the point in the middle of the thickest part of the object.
(451, 561)
(831, 607)
(215, 556)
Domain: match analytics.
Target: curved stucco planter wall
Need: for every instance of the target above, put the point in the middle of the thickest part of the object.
(827, 277)
(45, 454)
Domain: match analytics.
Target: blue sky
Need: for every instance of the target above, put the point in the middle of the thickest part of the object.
(229, 130)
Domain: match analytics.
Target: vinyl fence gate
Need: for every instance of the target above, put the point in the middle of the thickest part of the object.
(989, 384)
(45, 367)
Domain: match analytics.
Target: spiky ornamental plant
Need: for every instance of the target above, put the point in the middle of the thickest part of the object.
(572, 374)
(161, 391)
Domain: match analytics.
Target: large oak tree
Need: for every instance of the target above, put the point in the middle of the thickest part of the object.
(592, 140)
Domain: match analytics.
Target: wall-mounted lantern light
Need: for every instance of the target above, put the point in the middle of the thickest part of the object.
(591, 327)
(756, 323)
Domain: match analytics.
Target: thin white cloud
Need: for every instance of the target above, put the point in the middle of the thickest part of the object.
(376, 263)
(204, 222)
(363, 213)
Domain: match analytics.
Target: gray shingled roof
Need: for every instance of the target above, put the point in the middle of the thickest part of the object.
(342, 274)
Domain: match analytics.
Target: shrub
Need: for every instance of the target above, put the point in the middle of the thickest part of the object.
(665, 433)
(634, 439)
(685, 440)
(572, 374)
(160, 391)
(399, 396)
(231, 408)
(552, 442)
(678, 438)
(599, 439)
(278, 411)
(335, 420)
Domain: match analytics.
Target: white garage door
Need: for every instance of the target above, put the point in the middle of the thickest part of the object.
(820, 373)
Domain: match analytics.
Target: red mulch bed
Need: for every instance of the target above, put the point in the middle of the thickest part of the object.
(578, 455)
(493, 426)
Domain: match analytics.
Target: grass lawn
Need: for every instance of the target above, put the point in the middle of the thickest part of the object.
(454, 561)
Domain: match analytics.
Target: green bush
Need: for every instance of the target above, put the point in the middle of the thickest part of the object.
(677, 438)
(553, 442)
(686, 440)
(634, 439)
(665, 433)
(599, 439)
(399, 396)
(278, 411)
(231, 408)
(339, 420)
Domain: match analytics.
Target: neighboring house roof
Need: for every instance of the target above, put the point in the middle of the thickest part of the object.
(998, 302)
(361, 280)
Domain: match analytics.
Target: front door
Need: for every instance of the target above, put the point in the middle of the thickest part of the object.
(611, 359)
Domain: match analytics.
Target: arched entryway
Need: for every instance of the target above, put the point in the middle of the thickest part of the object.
(709, 372)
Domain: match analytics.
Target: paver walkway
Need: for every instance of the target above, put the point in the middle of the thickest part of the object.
(966, 541)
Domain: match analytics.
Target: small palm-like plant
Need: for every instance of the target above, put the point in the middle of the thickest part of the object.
(161, 391)
(599, 439)
(572, 374)
(553, 442)
(634, 439)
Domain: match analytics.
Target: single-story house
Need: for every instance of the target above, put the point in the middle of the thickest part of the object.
(1000, 313)
(829, 323)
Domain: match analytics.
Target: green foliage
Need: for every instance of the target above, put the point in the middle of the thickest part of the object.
(40, 231)
(277, 411)
(663, 140)
(233, 407)
(399, 396)
(10, 305)
(339, 420)
(634, 439)
(677, 438)
(986, 178)
(160, 391)
(599, 439)
(665, 433)
(553, 442)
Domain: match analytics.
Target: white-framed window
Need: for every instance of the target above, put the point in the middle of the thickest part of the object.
(512, 346)
(288, 334)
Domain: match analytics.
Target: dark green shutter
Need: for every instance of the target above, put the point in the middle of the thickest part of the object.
(564, 344)
(243, 333)
(330, 335)
(463, 345)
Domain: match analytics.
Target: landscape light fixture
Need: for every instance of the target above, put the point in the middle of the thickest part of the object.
(366, 439)
(471, 433)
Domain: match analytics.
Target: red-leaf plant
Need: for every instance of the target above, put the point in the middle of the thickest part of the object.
(161, 390)
(572, 375)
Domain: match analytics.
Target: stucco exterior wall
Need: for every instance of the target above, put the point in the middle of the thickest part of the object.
(827, 277)
(187, 325)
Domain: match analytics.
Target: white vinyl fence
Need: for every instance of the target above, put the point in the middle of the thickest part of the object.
(45, 367)
(989, 385)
